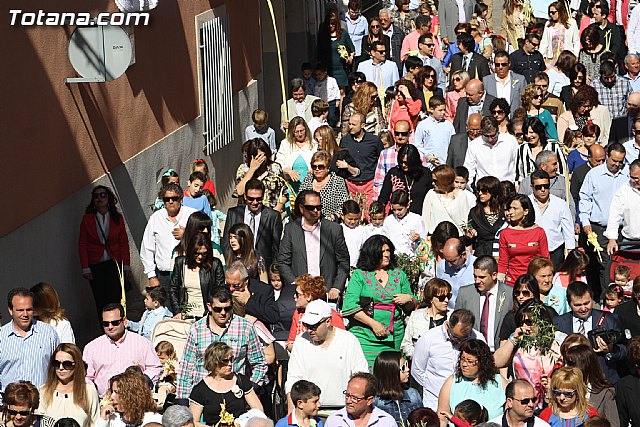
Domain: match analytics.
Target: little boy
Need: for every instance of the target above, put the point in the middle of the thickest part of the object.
(622, 276)
(261, 130)
(307, 76)
(193, 194)
(328, 90)
(461, 181)
(320, 112)
(155, 311)
(376, 219)
(354, 234)
(433, 134)
(305, 396)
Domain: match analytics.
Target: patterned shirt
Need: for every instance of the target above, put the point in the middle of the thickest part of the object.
(388, 159)
(239, 335)
(615, 98)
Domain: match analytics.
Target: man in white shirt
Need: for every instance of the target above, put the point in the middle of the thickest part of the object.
(162, 234)
(378, 70)
(553, 215)
(521, 404)
(632, 65)
(505, 83)
(625, 206)
(492, 154)
(633, 144)
(425, 53)
(436, 353)
(321, 350)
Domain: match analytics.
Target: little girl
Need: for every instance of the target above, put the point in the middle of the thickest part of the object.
(405, 229)
(169, 177)
(622, 276)
(166, 385)
(613, 297)
(581, 141)
(354, 233)
(376, 219)
(274, 279)
(468, 413)
(572, 269)
(386, 138)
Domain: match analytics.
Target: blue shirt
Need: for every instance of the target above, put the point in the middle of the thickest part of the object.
(149, 320)
(268, 135)
(557, 299)
(26, 357)
(290, 420)
(433, 137)
(357, 30)
(200, 203)
(456, 278)
(400, 410)
(596, 194)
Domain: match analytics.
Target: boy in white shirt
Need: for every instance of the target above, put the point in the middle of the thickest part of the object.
(320, 112)
(328, 90)
(433, 134)
(354, 233)
(376, 219)
(405, 229)
(260, 129)
(461, 182)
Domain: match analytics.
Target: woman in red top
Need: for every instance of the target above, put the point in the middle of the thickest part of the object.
(406, 105)
(103, 242)
(309, 288)
(522, 240)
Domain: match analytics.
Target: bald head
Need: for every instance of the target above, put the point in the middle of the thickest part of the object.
(633, 104)
(596, 155)
(475, 91)
(454, 253)
(474, 120)
(474, 128)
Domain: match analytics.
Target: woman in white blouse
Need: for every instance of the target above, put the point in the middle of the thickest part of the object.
(295, 152)
(46, 307)
(445, 202)
(66, 394)
(560, 33)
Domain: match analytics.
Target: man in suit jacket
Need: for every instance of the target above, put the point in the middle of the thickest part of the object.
(511, 84)
(476, 101)
(583, 318)
(267, 226)
(396, 36)
(449, 16)
(251, 295)
(300, 102)
(460, 141)
(321, 240)
(472, 62)
(486, 294)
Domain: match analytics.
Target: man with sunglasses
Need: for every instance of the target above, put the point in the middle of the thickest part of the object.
(162, 234)
(116, 350)
(311, 245)
(378, 70)
(554, 216)
(265, 223)
(624, 210)
(323, 349)
(505, 83)
(26, 344)
(436, 353)
(527, 60)
(220, 325)
(488, 299)
(520, 406)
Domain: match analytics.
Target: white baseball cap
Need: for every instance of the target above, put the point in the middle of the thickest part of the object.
(316, 311)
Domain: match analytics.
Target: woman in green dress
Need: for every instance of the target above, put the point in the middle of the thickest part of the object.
(378, 298)
(335, 48)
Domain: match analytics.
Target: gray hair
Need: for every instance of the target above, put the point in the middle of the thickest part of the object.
(544, 156)
(387, 11)
(259, 422)
(626, 58)
(176, 416)
(236, 266)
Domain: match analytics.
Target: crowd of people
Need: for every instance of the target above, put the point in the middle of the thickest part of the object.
(439, 240)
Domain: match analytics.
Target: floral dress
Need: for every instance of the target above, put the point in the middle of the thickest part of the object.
(364, 292)
(273, 180)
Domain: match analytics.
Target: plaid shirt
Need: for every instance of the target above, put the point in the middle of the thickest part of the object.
(239, 335)
(388, 159)
(615, 98)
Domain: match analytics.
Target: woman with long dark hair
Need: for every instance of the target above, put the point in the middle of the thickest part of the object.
(241, 248)
(194, 275)
(198, 222)
(377, 297)
(104, 247)
(591, 52)
(342, 164)
(487, 216)
(335, 48)
(559, 73)
(536, 140)
(524, 289)
(560, 33)
(258, 163)
(410, 176)
(394, 395)
(65, 392)
(406, 105)
(375, 34)
(427, 84)
(577, 79)
(476, 377)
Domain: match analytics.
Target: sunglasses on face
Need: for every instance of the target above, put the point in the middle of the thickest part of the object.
(527, 400)
(429, 44)
(382, 52)
(171, 199)
(202, 254)
(430, 76)
(13, 412)
(226, 361)
(541, 186)
(375, 26)
(227, 309)
(501, 64)
(457, 79)
(527, 322)
(318, 167)
(67, 365)
(524, 292)
(443, 298)
(519, 135)
(497, 112)
(567, 394)
(400, 133)
(313, 207)
(106, 323)
(101, 195)
(252, 199)
(312, 327)
(537, 97)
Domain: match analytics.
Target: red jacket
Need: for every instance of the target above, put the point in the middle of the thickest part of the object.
(548, 411)
(91, 249)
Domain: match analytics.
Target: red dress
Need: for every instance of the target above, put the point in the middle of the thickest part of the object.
(517, 248)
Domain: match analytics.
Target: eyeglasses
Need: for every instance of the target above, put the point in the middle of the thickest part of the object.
(252, 199)
(524, 292)
(374, 97)
(227, 309)
(67, 365)
(519, 135)
(13, 412)
(382, 52)
(567, 394)
(468, 361)
(318, 167)
(403, 162)
(636, 131)
(202, 254)
(313, 207)
(526, 400)
(483, 190)
(634, 178)
(313, 327)
(400, 133)
(404, 367)
(527, 322)
(443, 298)
(100, 195)
(490, 137)
(535, 44)
(171, 199)
(358, 82)
(430, 76)
(539, 187)
(497, 112)
(553, 12)
(349, 396)
(429, 44)
(106, 323)
(501, 64)
(226, 361)
(375, 26)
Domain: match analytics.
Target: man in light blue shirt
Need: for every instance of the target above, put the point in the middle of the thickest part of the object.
(26, 344)
(433, 134)
(596, 196)
(378, 70)
(357, 25)
(633, 145)
(456, 267)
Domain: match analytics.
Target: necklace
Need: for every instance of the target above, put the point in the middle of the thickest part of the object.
(409, 186)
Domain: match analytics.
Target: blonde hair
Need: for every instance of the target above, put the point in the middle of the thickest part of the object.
(530, 92)
(165, 347)
(572, 379)
(463, 75)
(293, 124)
(47, 303)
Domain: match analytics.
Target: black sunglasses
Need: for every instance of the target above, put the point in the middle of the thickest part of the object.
(313, 327)
(318, 167)
(524, 292)
(526, 400)
(101, 195)
(226, 361)
(106, 323)
(527, 322)
(171, 199)
(401, 133)
(205, 253)
(226, 309)
(313, 207)
(444, 297)
(13, 412)
(501, 64)
(67, 365)
(541, 186)
(519, 135)
(252, 199)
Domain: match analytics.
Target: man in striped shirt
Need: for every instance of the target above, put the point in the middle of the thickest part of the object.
(26, 344)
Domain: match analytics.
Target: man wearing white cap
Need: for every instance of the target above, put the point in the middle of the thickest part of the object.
(322, 349)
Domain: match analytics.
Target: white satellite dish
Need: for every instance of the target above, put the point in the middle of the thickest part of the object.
(99, 53)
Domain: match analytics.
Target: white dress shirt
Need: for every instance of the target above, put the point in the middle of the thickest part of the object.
(556, 221)
(158, 243)
(625, 202)
(247, 220)
(587, 324)
(477, 109)
(503, 90)
(497, 160)
(398, 231)
(493, 297)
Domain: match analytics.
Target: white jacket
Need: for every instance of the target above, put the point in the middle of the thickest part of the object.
(571, 40)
